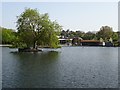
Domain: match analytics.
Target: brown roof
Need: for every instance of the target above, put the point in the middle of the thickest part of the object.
(89, 41)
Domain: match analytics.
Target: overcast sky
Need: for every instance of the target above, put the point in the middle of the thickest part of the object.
(84, 16)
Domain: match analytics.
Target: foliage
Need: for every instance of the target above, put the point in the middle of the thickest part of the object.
(72, 34)
(7, 36)
(37, 29)
(105, 32)
(115, 36)
(88, 36)
(101, 40)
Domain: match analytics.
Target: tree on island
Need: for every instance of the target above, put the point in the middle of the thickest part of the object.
(37, 29)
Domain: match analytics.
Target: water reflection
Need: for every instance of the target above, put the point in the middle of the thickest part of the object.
(37, 55)
(34, 69)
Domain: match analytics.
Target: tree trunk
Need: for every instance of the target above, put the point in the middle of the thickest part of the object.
(34, 45)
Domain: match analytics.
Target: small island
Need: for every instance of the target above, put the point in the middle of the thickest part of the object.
(33, 30)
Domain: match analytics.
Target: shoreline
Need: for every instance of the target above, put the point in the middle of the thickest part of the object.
(8, 45)
(5, 45)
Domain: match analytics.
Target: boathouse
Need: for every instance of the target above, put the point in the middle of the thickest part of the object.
(91, 43)
(80, 42)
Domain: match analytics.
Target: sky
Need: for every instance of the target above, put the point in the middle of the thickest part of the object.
(83, 16)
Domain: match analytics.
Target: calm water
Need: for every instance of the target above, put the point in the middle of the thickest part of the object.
(70, 67)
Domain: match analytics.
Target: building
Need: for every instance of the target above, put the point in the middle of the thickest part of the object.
(65, 41)
(91, 43)
(81, 42)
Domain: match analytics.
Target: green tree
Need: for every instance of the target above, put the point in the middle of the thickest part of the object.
(89, 36)
(49, 33)
(79, 34)
(115, 36)
(37, 29)
(105, 32)
(28, 27)
(8, 36)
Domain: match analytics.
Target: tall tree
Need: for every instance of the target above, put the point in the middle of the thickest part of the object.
(105, 32)
(28, 28)
(34, 28)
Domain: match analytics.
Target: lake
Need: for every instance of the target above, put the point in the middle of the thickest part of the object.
(68, 67)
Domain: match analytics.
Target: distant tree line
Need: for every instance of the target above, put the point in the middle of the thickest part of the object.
(105, 34)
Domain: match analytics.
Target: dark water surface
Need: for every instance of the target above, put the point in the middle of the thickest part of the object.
(70, 67)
